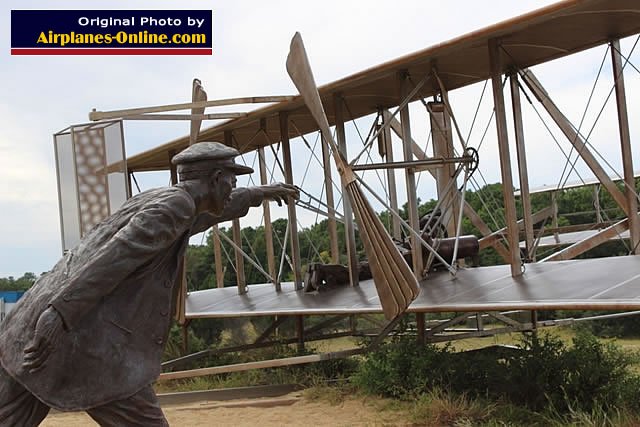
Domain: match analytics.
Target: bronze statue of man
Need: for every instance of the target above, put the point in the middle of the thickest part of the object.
(89, 335)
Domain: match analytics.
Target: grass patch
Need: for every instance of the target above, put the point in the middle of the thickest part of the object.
(597, 417)
(439, 408)
(331, 394)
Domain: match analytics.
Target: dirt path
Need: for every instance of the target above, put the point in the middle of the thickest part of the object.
(290, 410)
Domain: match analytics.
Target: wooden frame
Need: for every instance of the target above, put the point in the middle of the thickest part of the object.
(625, 144)
(410, 177)
(331, 210)
(349, 225)
(133, 112)
(522, 165)
(291, 207)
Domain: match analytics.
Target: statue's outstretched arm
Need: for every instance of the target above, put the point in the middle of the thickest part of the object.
(244, 198)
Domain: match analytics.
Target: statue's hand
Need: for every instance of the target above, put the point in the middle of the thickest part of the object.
(48, 330)
(280, 192)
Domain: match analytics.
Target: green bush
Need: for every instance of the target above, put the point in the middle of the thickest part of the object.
(599, 373)
(403, 368)
(544, 373)
(536, 375)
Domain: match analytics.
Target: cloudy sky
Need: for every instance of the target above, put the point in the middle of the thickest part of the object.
(42, 95)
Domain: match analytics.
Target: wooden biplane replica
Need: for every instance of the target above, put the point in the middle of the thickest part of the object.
(503, 54)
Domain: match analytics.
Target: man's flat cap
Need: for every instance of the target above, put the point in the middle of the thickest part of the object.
(205, 156)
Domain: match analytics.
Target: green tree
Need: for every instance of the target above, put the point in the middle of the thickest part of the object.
(21, 284)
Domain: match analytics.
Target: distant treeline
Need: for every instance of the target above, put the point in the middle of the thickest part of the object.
(576, 206)
(21, 284)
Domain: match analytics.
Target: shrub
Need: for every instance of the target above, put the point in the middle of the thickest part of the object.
(402, 368)
(544, 373)
(536, 375)
(598, 373)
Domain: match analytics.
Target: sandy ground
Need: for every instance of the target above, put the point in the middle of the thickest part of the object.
(291, 410)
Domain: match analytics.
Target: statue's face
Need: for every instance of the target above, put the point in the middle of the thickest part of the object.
(221, 183)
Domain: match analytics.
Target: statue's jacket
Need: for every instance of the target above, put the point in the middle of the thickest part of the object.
(114, 293)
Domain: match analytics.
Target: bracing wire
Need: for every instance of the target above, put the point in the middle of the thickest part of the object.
(337, 188)
(562, 183)
(546, 126)
(474, 182)
(368, 152)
